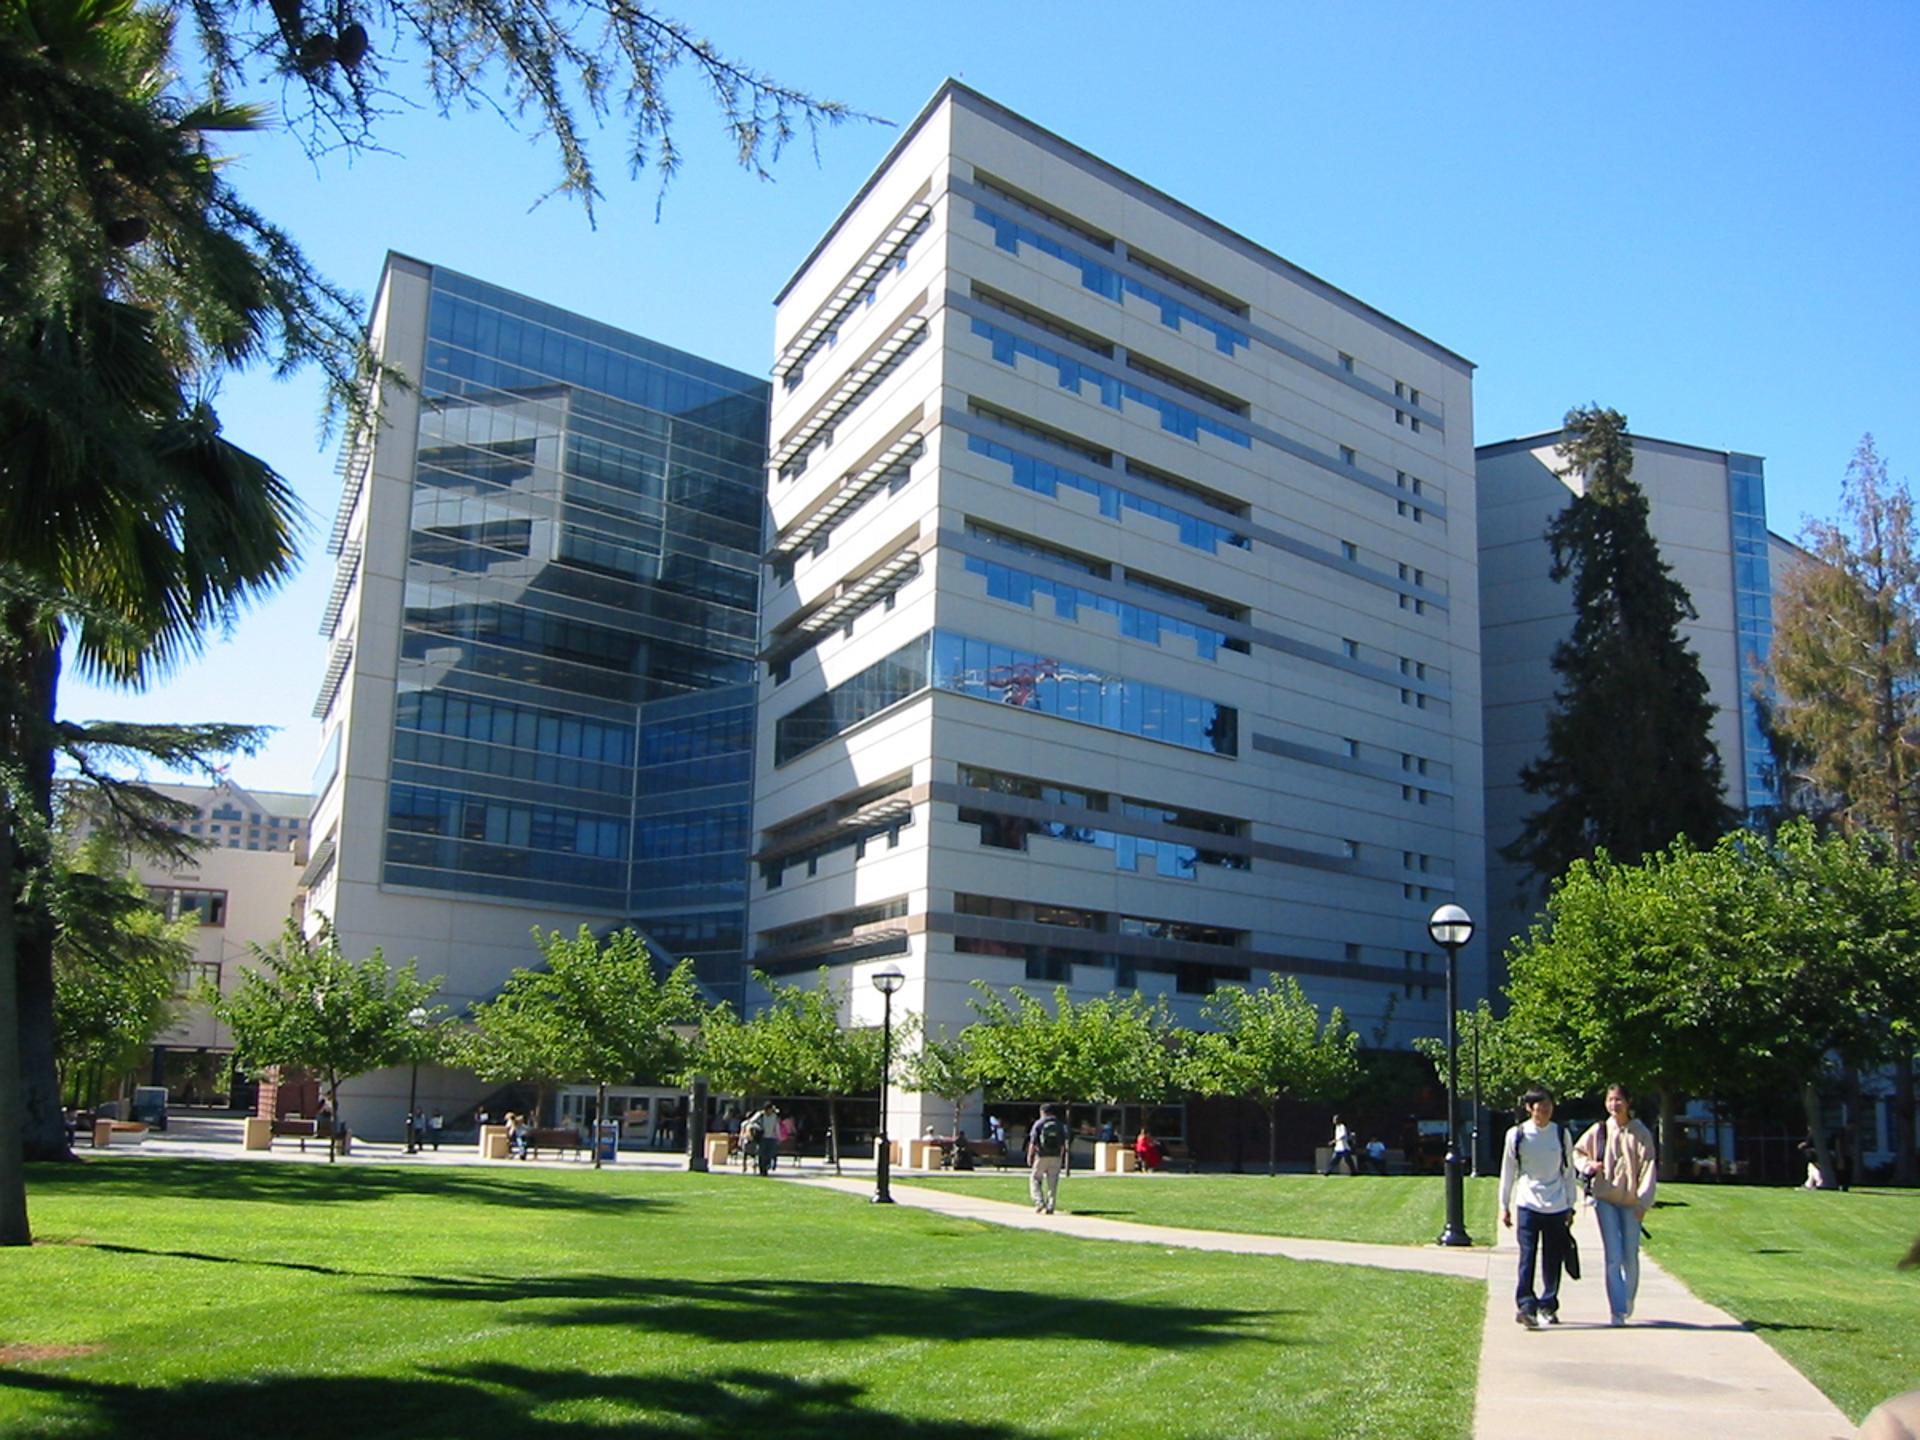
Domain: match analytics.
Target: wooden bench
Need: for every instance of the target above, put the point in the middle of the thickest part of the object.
(553, 1137)
(292, 1127)
(982, 1151)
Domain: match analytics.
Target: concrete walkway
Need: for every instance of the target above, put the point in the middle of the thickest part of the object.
(1682, 1370)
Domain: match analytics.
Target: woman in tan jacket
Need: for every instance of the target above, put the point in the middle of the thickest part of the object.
(1617, 1160)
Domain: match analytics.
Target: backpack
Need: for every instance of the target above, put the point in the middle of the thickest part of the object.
(1566, 1158)
(754, 1130)
(1049, 1137)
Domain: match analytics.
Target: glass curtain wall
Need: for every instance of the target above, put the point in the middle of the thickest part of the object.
(574, 722)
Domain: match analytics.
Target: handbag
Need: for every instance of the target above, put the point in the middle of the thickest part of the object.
(1571, 1258)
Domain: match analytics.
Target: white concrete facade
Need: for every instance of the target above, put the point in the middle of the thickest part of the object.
(1691, 495)
(1210, 523)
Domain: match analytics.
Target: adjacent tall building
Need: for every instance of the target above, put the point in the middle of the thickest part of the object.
(538, 709)
(1708, 512)
(1122, 627)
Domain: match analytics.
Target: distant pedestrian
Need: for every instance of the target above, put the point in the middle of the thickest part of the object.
(996, 1132)
(760, 1133)
(1377, 1155)
(1342, 1149)
(1616, 1159)
(435, 1124)
(1537, 1183)
(1047, 1155)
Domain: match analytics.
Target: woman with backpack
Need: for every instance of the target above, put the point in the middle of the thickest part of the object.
(1616, 1159)
(1537, 1182)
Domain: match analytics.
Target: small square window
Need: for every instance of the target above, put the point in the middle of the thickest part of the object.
(1349, 551)
(1346, 362)
(1347, 455)
(1350, 648)
(1353, 749)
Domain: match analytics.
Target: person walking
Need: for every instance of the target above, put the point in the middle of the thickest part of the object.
(1537, 1185)
(1342, 1149)
(1616, 1159)
(436, 1122)
(1047, 1155)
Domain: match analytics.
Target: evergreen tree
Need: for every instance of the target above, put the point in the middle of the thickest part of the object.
(1846, 672)
(1629, 762)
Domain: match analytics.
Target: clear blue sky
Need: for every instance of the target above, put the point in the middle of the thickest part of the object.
(1706, 215)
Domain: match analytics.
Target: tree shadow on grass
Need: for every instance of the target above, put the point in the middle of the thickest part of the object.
(486, 1400)
(331, 1184)
(763, 1311)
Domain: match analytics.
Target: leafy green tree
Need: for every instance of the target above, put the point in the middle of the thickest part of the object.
(305, 1005)
(595, 1013)
(1507, 1065)
(1629, 760)
(132, 813)
(821, 1054)
(119, 966)
(942, 1065)
(1269, 1044)
(1110, 1050)
(1846, 672)
(1735, 969)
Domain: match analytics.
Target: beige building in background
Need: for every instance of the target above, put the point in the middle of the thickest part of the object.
(1122, 628)
(1707, 511)
(242, 889)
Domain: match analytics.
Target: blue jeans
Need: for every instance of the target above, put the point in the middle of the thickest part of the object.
(1620, 1233)
(1545, 1235)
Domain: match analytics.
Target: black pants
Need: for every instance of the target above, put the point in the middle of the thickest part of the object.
(1339, 1158)
(1545, 1235)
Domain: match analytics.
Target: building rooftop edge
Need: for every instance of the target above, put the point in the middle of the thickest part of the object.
(1534, 442)
(957, 90)
(428, 269)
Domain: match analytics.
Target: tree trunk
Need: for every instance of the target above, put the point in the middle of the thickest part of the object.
(833, 1131)
(1273, 1136)
(333, 1131)
(14, 1229)
(1816, 1132)
(36, 692)
(1669, 1168)
(599, 1119)
(1905, 1172)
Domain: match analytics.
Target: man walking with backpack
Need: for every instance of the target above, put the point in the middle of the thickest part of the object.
(1046, 1153)
(1537, 1181)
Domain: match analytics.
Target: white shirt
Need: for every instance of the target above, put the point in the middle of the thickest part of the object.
(1543, 1179)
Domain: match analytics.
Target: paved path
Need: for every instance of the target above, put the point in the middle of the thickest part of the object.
(1682, 1371)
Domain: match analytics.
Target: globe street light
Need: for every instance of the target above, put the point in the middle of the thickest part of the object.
(1451, 927)
(886, 981)
(417, 1018)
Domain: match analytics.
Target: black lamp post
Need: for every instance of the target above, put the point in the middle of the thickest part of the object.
(417, 1018)
(696, 1118)
(1451, 927)
(886, 981)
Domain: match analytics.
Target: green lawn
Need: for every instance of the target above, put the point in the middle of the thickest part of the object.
(178, 1298)
(1812, 1272)
(1389, 1210)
